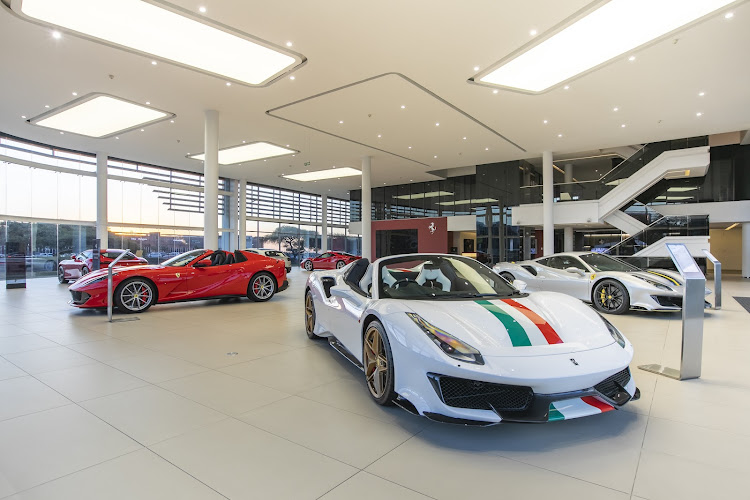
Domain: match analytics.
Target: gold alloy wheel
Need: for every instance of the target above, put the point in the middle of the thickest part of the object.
(376, 363)
(309, 314)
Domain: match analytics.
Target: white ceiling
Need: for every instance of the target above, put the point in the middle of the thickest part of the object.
(434, 44)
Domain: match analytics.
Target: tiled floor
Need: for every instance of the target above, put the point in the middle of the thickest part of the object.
(157, 409)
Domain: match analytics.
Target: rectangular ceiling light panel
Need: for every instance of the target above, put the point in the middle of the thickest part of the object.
(419, 196)
(100, 115)
(332, 173)
(160, 30)
(615, 28)
(248, 152)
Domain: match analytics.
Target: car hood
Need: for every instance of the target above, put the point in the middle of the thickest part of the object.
(668, 278)
(541, 323)
(116, 270)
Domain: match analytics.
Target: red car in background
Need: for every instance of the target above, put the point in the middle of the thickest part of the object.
(194, 275)
(83, 263)
(328, 260)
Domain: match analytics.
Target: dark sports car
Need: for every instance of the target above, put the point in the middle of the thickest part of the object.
(194, 275)
(328, 260)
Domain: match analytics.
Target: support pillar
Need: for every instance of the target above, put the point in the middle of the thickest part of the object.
(366, 208)
(746, 249)
(567, 230)
(324, 223)
(242, 216)
(101, 199)
(233, 209)
(211, 180)
(548, 194)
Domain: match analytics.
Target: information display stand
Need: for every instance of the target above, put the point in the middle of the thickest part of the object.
(15, 265)
(717, 278)
(96, 258)
(692, 317)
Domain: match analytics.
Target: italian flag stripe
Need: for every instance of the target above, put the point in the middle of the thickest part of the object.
(554, 413)
(549, 333)
(591, 400)
(516, 332)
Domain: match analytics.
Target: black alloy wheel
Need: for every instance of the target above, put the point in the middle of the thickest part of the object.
(611, 296)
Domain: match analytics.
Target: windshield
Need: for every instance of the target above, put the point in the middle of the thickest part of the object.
(440, 277)
(183, 259)
(603, 263)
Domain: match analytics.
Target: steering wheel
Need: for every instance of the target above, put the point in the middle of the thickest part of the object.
(403, 280)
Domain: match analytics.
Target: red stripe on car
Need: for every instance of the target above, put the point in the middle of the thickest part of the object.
(591, 400)
(549, 333)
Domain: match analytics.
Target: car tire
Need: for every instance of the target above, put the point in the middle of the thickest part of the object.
(127, 296)
(262, 287)
(310, 316)
(308, 266)
(84, 271)
(61, 276)
(611, 297)
(340, 264)
(507, 277)
(375, 350)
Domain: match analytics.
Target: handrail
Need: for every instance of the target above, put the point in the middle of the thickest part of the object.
(109, 283)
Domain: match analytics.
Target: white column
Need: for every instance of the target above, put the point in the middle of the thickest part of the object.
(242, 231)
(567, 230)
(746, 249)
(366, 208)
(233, 209)
(324, 223)
(548, 194)
(101, 198)
(211, 180)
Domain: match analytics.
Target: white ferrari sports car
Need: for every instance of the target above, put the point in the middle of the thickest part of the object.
(444, 337)
(610, 284)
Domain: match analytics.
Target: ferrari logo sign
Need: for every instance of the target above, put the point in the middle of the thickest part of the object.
(593, 276)
(432, 228)
(177, 274)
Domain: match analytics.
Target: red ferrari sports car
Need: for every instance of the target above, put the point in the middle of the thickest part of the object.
(83, 263)
(328, 260)
(194, 275)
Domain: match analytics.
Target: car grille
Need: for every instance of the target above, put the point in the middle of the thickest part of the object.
(666, 301)
(612, 385)
(79, 297)
(465, 393)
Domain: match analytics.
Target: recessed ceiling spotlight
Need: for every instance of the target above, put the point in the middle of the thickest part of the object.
(559, 135)
(56, 35)
(437, 124)
(171, 121)
(341, 122)
(243, 142)
(701, 94)
(117, 138)
(435, 156)
(476, 68)
(699, 114)
(623, 125)
(464, 138)
(729, 15)
(615, 109)
(286, 145)
(142, 130)
(486, 149)
(566, 87)
(202, 9)
(409, 147)
(46, 105)
(495, 91)
(292, 77)
(153, 63)
(403, 107)
(379, 136)
(288, 44)
(62, 133)
(545, 122)
(148, 102)
(533, 32)
(229, 84)
(265, 160)
(631, 58)
(75, 93)
(23, 117)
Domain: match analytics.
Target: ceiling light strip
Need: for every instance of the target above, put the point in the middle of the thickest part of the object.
(594, 38)
(168, 32)
(251, 151)
(331, 173)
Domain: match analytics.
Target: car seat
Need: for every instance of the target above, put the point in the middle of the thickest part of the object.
(217, 258)
(431, 275)
(229, 259)
(387, 277)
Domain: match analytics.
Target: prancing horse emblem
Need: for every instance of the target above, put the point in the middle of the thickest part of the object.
(177, 274)
(432, 228)
(572, 360)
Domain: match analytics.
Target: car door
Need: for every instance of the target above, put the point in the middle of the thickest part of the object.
(345, 314)
(557, 279)
(324, 261)
(222, 279)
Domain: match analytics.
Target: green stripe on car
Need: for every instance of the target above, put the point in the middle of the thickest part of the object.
(516, 332)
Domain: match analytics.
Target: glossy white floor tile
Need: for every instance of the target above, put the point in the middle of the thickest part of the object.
(157, 408)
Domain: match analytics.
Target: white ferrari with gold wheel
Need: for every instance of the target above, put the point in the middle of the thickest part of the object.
(445, 337)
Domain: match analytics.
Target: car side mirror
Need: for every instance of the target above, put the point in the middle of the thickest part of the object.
(575, 270)
(520, 285)
(203, 263)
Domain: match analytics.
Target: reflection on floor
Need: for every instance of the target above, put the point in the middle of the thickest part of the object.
(229, 399)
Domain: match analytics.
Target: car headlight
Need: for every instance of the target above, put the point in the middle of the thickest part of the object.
(449, 344)
(656, 284)
(614, 332)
